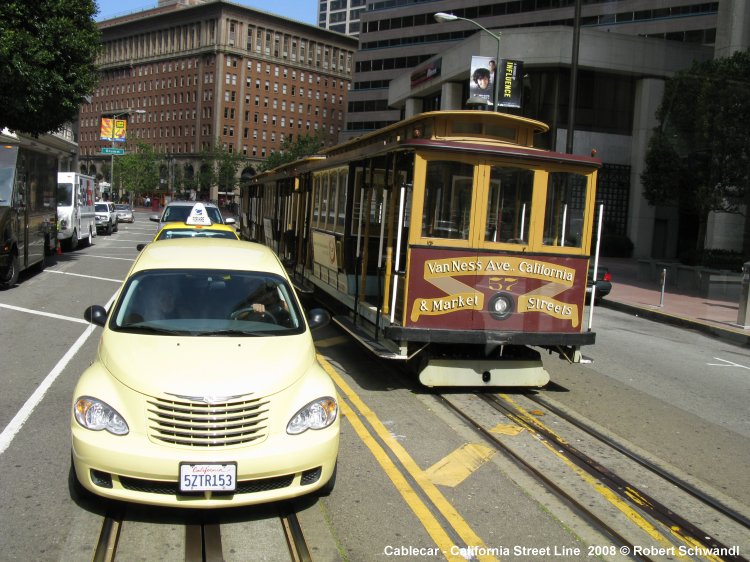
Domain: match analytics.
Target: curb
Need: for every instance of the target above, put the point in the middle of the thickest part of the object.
(729, 336)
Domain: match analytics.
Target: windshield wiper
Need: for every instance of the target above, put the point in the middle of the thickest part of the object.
(154, 330)
(227, 332)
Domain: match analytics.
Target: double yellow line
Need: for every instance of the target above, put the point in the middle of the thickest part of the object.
(411, 496)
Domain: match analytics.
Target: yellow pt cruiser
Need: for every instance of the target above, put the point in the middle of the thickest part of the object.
(205, 391)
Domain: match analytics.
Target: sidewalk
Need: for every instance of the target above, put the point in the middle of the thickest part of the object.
(717, 318)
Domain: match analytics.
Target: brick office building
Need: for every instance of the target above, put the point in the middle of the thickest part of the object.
(191, 75)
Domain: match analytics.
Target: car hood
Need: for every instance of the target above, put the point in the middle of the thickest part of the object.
(206, 366)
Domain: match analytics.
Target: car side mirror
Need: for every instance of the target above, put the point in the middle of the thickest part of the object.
(96, 314)
(140, 246)
(317, 318)
(154, 218)
(229, 221)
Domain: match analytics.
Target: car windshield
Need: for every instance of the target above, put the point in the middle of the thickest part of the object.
(191, 233)
(101, 207)
(122, 207)
(180, 213)
(204, 303)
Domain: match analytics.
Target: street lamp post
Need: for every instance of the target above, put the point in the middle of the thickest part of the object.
(112, 156)
(442, 17)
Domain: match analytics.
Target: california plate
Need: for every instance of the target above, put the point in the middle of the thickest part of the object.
(208, 477)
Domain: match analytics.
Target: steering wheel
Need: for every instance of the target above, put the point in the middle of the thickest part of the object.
(248, 313)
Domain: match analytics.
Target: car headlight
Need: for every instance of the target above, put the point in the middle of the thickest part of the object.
(316, 415)
(96, 415)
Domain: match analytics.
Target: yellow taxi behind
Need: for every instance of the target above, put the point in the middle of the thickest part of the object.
(205, 391)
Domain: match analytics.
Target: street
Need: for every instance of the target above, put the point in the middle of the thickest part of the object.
(678, 396)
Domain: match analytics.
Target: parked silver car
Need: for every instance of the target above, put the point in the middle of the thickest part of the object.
(124, 213)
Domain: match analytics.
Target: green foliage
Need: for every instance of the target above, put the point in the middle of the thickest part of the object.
(698, 156)
(227, 164)
(138, 170)
(48, 51)
(291, 151)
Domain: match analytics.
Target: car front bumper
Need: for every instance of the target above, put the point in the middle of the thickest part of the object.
(135, 469)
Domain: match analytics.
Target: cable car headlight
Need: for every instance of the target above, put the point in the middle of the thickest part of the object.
(96, 415)
(318, 414)
(501, 305)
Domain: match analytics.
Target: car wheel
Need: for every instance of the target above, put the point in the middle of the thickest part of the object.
(10, 277)
(117, 226)
(109, 229)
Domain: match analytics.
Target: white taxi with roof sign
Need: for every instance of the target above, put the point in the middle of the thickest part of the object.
(197, 225)
(194, 398)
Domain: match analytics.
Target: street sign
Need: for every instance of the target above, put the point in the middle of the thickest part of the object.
(109, 150)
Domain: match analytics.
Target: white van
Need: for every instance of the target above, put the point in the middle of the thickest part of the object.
(75, 209)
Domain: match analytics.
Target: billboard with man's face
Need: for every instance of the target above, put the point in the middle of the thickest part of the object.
(481, 79)
(484, 72)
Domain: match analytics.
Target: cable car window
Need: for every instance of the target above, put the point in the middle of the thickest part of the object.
(316, 201)
(564, 210)
(509, 208)
(341, 205)
(447, 200)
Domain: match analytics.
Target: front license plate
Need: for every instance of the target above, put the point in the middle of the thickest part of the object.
(215, 477)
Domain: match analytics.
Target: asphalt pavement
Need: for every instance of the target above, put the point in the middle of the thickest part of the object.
(717, 317)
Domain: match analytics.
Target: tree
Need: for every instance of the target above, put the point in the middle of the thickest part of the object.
(698, 157)
(48, 51)
(293, 150)
(137, 171)
(227, 164)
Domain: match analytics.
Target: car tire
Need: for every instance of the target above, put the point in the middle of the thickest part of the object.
(117, 226)
(109, 229)
(11, 276)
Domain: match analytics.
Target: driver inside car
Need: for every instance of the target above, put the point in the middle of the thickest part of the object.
(265, 303)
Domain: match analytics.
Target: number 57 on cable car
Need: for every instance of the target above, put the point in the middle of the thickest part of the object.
(446, 240)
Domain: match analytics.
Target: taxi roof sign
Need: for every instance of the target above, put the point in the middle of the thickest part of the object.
(198, 216)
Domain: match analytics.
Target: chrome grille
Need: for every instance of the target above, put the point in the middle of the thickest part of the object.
(197, 424)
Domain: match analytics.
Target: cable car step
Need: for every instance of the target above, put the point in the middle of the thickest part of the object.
(365, 339)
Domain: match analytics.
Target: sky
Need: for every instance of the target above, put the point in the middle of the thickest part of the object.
(300, 10)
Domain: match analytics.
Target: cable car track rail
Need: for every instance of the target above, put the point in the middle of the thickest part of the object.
(203, 541)
(671, 478)
(676, 525)
(580, 509)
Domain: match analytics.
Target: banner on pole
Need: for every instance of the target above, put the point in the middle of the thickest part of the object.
(481, 82)
(114, 130)
(484, 72)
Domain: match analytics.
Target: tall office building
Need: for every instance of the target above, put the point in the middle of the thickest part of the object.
(398, 35)
(193, 75)
(408, 63)
(341, 15)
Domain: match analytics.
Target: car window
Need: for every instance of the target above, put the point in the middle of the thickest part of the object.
(167, 234)
(180, 213)
(101, 207)
(207, 303)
